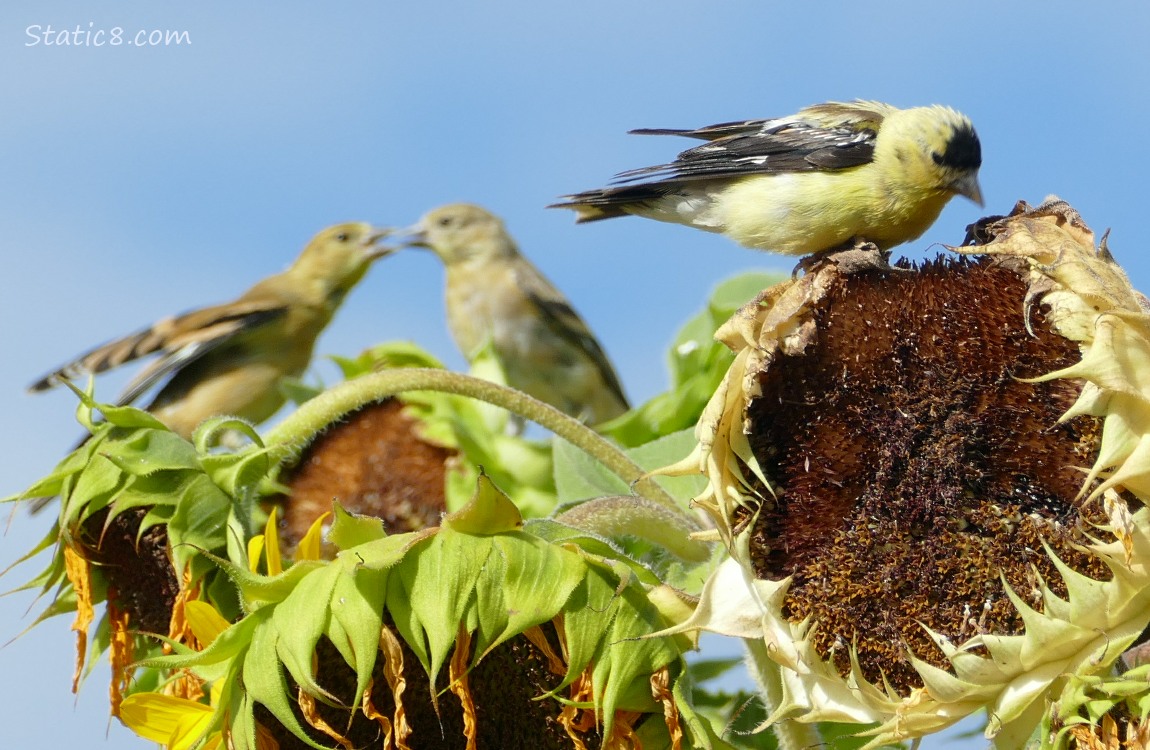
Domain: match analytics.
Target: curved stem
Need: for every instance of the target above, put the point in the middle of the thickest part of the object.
(287, 439)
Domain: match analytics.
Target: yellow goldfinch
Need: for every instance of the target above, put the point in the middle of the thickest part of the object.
(809, 182)
(495, 295)
(229, 359)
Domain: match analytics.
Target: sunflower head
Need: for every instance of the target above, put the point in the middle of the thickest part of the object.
(931, 479)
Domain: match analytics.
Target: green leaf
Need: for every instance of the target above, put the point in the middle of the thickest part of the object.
(63, 474)
(300, 619)
(588, 543)
(390, 354)
(737, 291)
(489, 512)
(527, 582)
(351, 530)
(257, 591)
(605, 625)
(264, 680)
(94, 489)
(437, 594)
(198, 523)
(119, 416)
(356, 620)
(238, 474)
(624, 515)
(578, 476)
(341, 600)
(48, 541)
(645, 532)
(242, 709)
(697, 364)
(702, 670)
(147, 451)
(385, 553)
(229, 646)
(297, 391)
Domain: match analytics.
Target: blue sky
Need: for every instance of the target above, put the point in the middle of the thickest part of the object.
(140, 181)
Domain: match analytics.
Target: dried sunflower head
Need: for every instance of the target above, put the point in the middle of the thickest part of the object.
(932, 480)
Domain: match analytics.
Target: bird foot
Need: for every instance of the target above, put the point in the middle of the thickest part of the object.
(852, 256)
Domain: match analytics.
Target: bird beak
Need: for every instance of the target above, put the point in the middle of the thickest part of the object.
(968, 186)
(375, 250)
(412, 236)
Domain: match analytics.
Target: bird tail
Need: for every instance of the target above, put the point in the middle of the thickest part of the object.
(610, 202)
(590, 207)
(104, 357)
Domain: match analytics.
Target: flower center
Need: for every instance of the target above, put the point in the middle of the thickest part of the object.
(913, 469)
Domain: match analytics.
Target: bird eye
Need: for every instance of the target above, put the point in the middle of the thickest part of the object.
(343, 236)
(446, 221)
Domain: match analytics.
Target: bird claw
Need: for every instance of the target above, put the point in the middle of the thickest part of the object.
(852, 256)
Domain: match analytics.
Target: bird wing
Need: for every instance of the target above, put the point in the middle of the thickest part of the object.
(182, 340)
(858, 115)
(803, 143)
(556, 312)
(825, 137)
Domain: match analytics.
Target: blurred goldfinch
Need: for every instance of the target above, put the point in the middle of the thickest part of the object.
(496, 295)
(808, 182)
(229, 359)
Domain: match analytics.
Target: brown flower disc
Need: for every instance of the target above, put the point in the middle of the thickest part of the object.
(914, 469)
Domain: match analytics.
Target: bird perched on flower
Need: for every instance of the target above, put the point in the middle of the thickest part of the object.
(229, 359)
(809, 182)
(496, 297)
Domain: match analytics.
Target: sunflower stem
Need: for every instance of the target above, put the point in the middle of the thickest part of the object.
(288, 439)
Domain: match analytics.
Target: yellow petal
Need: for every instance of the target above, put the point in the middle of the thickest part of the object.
(190, 727)
(255, 550)
(157, 717)
(205, 621)
(309, 546)
(272, 545)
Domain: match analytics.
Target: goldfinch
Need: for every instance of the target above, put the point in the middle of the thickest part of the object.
(813, 181)
(229, 359)
(496, 296)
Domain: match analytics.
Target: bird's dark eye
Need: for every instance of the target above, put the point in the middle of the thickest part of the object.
(446, 221)
(343, 236)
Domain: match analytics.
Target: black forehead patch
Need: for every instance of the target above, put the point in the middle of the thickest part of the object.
(963, 151)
